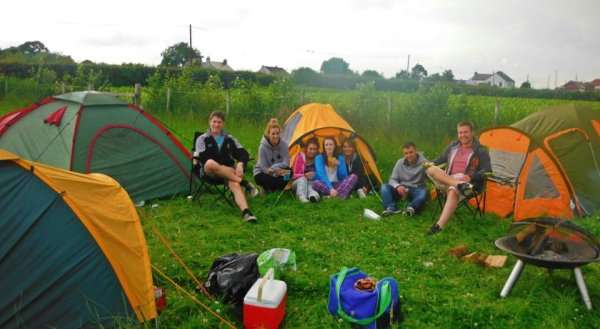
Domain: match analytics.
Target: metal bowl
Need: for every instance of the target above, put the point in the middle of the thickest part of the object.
(577, 246)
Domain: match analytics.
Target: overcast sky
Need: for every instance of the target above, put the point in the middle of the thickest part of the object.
(521, 38)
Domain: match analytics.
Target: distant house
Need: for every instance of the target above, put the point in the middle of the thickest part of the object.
(574, 86)
(595, 84)
(221, 66)
(274, 70)
(497, 79)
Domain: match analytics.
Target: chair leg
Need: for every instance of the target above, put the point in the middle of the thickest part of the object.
(196, 192)
(227, 195)
(441, 200)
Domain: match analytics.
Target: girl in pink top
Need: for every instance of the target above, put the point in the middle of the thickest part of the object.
(303, 172)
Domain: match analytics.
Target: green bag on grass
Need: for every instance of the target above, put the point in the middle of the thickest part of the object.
(279, 259)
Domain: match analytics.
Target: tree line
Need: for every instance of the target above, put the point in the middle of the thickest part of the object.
(33, 60)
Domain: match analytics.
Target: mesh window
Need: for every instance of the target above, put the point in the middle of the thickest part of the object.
(539, 184)
(506, 164)
(289, 129)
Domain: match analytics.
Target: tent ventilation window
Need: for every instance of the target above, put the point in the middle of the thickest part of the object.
(539, 184)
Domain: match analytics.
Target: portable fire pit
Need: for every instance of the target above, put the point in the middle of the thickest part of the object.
(553, 244)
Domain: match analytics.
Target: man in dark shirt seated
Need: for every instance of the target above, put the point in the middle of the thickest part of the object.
(223, 157)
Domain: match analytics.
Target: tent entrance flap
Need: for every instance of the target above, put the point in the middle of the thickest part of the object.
(575, 154)
(155, 170)
(542, 190)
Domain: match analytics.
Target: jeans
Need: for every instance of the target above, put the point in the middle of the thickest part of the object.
(416, 197)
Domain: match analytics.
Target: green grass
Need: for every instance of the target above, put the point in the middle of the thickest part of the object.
(437, 290)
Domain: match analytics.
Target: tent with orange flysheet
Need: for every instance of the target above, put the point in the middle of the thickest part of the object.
(320, 121)
(548, 162)
(72, 250)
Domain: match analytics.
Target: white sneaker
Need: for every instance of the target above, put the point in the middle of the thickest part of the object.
(252, 190)
(361, 193)
(409, 211)
(303, 200)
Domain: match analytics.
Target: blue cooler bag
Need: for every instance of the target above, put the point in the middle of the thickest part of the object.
(375, 309)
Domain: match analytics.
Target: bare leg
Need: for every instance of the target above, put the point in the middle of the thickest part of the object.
(238, 194)
(212, 168)
(449, 207)
(440, 176)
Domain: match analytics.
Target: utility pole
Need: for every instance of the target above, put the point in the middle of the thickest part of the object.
(555, 79)
(408, 65)
(190, 51)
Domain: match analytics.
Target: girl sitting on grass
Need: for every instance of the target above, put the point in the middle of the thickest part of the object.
(332, 178)
(272, 170)
(351, 160)
(304, 172)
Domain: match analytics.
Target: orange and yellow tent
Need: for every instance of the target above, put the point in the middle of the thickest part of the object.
(320, 121)
(72, 249)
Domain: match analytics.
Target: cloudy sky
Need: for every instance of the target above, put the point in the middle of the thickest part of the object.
(522, 38)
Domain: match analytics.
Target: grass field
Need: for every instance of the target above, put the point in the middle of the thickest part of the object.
(438, 291)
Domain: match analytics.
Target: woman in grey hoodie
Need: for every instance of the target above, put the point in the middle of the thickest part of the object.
(272, 170)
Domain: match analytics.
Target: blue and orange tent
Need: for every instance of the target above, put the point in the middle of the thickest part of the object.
(72, 249)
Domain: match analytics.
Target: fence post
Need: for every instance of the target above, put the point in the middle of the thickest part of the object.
(389, 108)
(137, 94)
(227, 102)
(62, 87)
(90, 86)
(496, 111)
(168, 99)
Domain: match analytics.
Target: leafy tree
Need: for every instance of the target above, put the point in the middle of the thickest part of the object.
(448, 75)
(418, 72)
(335, 65)
(32, 47)
(402, 75)
(305, 75)
(372, 74)
(178, 55)
(33, 52)
(436, 77)
(526, 85)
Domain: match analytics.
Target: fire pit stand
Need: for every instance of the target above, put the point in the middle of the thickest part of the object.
(553, 244)
(518, 269)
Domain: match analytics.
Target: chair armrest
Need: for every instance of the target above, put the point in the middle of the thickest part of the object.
(499, 179)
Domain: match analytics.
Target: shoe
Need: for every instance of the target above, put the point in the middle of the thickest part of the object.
(248, 216)
(466, 189)
(303, 200)
(409, 211)
(389, 212)
(313, 199)
(252, 190)
(435, 229)
(361, 193)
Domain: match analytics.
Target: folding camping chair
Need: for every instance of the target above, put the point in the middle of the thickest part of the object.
(204, 182)
(476, 209)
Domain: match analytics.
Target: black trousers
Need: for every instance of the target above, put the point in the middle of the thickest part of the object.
(270, 183)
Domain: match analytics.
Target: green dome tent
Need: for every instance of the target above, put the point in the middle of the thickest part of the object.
(552, 160)
(97, 132)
